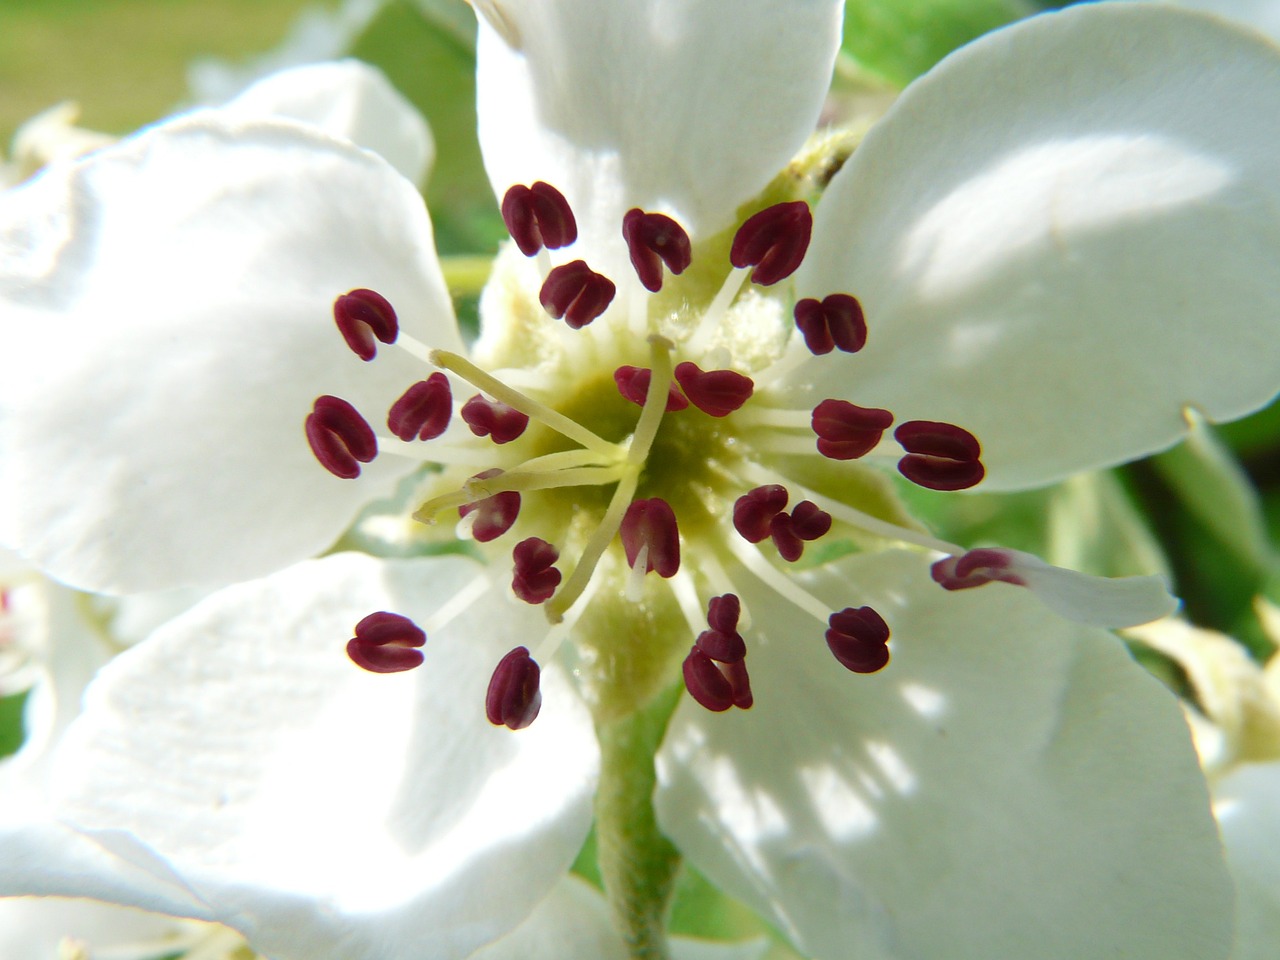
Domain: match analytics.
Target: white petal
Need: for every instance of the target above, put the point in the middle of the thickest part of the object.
(167, 308)
(1009, 786)
(574, 923)
(1110, 602)
(1248, 807)
(685, 106)
(1063, 236)
(350, 100)
(34, 928)
(323, 811)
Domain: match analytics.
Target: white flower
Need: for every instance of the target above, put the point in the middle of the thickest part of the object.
(1060, 240)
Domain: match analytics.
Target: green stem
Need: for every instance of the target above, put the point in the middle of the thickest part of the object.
(638, 864)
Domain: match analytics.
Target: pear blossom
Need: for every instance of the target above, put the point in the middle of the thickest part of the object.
(1048, 250)
(1235, 718)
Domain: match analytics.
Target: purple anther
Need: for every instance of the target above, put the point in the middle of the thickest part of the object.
(754, 511)
(652, 524)
(859, 638)
(489, 418)
(774, 241)
(791, 531)
(655, 239)
(633, 383)
(576, 293)
(535, 578)
(940, 456)
(386, 643)
(362, 315)
(717, 393)
(538, 216)
(424, 411)
(495, 514)
(975, 568)
(834, 321)
(723, 642)
(513, 699)
(340, 438)
(847, 431)
(717, 686)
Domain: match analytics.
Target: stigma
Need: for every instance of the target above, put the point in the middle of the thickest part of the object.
(645, 463)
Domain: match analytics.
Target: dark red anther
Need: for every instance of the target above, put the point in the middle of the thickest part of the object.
(774, 241)
(535, 578)
(790, 532)
(538, 216)
(495, 514)
(717, 686)
(717, 393)
(340, 438)
(514, 697)
(654, 239)
(362, 315)
(386, 643)
(847, 431)
(652, 524)
(723, 642)
(940, 456)
(633, 383)
(577, 293)
(753, 512)
(975, 568)
(834, 321)
(859, 639)
(424, 411)
(489, 418)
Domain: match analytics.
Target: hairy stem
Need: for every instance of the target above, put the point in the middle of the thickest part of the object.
(638, 864)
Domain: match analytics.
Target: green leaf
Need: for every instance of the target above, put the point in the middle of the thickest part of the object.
(427, 49)
(1208, 480)
(12, 733)
(901, 39)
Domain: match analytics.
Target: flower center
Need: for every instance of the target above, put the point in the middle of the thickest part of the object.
(637, 475)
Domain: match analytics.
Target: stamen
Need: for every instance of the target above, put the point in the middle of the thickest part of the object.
(386, 643)
(633, 383)
(859, 639)
(494, 514)
(576, 293)
(340, 438)
(652, 524)
(835, 321)
(940, 456)
(519, 401)
(774, 241)
(753, 512)
(362, 315)
(423, 411)
(716, 393)
(790, 532)
(514, 698)
(494, 419)
(847, 431)
(714, 686)
(535, 578)
(654, 239)
(723, 642)
(854, 517)
(538, 216)
(975, 568)
(779, 582)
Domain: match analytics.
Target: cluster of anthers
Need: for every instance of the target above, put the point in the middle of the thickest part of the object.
(769, 246)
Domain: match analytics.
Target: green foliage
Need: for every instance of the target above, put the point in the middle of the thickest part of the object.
(901, 39)
(11, 726)
(428, 52)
